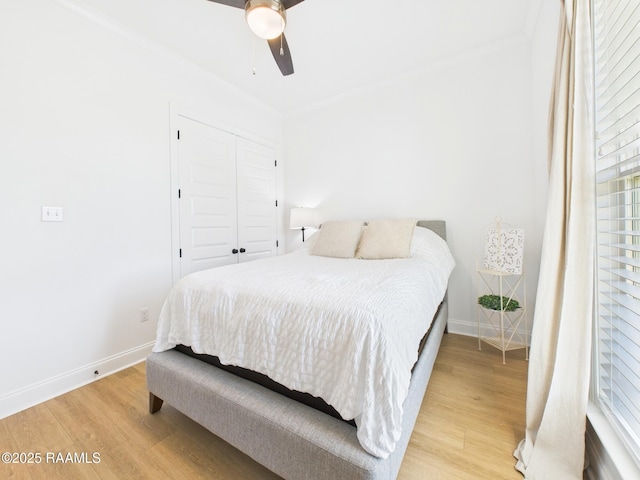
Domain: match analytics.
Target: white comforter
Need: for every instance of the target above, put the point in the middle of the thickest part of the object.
(346, 330)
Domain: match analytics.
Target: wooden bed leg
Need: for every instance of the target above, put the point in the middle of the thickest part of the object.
(155, 403)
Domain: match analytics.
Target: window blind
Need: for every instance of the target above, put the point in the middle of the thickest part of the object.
(617, 123)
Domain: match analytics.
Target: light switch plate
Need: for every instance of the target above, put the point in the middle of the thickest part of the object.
(51, 214)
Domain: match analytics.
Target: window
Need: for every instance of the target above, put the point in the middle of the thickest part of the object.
(617, 121)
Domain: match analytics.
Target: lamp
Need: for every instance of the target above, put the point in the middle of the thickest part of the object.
(266, 18)
(302, 218)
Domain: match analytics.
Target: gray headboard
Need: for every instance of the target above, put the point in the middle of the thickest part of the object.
(438, 226)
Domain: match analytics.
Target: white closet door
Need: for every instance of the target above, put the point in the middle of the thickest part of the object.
(207, 180)
(257, 218)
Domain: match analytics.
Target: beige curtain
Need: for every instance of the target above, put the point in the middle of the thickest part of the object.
(559, 365)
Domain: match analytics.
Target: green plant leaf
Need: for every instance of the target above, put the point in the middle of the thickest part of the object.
(495, 302)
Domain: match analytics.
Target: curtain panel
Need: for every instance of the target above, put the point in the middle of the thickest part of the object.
(559, 363)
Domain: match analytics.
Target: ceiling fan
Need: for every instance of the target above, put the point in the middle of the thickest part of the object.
(267, 19)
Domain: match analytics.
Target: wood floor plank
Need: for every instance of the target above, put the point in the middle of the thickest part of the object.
(9, 470)
(471, 420)
(37, 430)
(209, 456)
(93, 433)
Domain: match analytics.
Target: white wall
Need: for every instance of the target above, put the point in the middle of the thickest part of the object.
(456, 143)
(544, 40)
(84, 121)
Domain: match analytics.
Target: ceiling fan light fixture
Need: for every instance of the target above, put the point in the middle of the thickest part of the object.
(266, 18)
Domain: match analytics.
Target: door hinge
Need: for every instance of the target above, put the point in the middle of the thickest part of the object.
(180, 253)
(178, 134)
(276, 203)
(277, 244)
(179, 194)
(275, 163)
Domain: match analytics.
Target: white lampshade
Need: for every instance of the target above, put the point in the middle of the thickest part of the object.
(303, 218)
(266, 18)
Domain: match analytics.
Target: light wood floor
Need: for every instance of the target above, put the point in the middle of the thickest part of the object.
(471, 420)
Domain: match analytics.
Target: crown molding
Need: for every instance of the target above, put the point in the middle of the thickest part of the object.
(442, 64)
(148, 44)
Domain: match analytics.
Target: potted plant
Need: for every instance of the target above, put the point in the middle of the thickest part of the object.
(496, 302)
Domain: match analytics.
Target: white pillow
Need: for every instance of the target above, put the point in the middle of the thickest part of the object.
(337, 239)
(386, 239)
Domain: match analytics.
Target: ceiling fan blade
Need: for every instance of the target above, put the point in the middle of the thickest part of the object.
(290, 3)
(231, 3)
(284, 61)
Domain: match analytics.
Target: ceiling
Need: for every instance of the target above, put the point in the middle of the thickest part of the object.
(337, 46)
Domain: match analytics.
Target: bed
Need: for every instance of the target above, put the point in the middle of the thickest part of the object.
(297, 320)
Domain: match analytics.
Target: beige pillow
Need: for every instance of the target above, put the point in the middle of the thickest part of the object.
(386, 239)
(337, 239)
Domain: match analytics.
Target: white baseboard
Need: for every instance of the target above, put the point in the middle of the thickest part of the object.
(462, 327)
(470, 329)
(26, 397)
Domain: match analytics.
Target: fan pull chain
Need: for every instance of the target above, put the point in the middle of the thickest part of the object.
(281, 48)
(253, 51)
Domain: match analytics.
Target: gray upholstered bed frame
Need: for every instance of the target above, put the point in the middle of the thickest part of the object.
(293, 440)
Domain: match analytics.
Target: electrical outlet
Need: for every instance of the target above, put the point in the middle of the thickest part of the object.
(144, 314)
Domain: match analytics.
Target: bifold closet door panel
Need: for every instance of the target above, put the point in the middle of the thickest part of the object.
(257, 211)
(208, 197)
